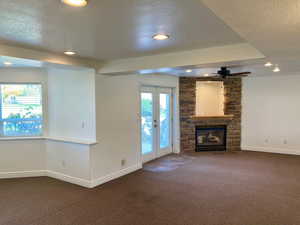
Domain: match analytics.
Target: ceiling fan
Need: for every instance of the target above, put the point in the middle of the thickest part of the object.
(224, 73)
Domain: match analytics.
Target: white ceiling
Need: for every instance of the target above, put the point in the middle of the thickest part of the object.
(112, 29)
(272, 26)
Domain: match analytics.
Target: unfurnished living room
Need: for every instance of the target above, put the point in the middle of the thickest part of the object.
(149, 112)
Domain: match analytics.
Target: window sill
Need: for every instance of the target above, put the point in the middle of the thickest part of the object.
(21, 138)
(58, 139)
(72, 140)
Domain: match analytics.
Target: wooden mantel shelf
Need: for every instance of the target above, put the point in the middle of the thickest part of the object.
(226, 117)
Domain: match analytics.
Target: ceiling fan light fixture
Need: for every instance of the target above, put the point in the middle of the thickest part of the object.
(75, 3)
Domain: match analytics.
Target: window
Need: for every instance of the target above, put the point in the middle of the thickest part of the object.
(21, 111)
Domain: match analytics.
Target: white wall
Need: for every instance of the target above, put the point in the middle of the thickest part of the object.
(68, 159)
(71, 97)
(23, 156)
(270, 117)
(71, 103)
(117, 109)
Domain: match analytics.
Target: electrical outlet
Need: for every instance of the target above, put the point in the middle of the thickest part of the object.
(123, 162)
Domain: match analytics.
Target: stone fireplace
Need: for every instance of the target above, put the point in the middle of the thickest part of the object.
(190, 124)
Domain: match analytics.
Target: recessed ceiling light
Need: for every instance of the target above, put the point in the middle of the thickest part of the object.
(75, 3)
(268, 64)
(161, 37)
(189, 71)
(70, 53)
(206, 75)
(7, 63)
(276, 69)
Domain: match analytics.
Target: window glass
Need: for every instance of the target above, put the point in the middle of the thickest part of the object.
(21, 111)
(165, 115)
(147, 122)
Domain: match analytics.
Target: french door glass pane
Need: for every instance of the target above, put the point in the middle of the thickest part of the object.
(147, 122)
(164, 100)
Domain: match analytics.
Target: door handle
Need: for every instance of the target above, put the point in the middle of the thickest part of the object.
(155, 123)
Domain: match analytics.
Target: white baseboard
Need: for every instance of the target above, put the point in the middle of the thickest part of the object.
(272, 150)
(22, 174)
(69, 179)
(45, 173)
(115, 175)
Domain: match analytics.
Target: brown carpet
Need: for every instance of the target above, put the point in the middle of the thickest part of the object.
(243, 188)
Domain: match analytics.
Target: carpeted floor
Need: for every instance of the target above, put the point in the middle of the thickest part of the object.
(245, 188)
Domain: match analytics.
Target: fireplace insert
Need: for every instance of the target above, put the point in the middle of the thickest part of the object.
(210, 138)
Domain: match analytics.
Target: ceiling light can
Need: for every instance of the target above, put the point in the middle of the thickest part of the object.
(7, 63)
(268, 64)
(276, 69)
(75, 3)
(160, 37)
(70, 53)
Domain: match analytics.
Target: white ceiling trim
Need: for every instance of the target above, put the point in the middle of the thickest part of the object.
(223, 54)
(48, 58)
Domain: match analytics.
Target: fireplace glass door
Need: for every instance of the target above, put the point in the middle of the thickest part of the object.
(156, 122)
(211, 138)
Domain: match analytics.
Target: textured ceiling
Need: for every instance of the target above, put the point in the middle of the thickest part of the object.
(272, 26)
(111, 29)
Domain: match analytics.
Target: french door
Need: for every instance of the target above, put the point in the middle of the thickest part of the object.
(156, 122)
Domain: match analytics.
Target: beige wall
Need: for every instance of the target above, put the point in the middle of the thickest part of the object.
(271, 109)
(209, 98)
(118, 132)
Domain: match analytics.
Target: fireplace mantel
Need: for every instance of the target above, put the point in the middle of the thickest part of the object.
(224, 117)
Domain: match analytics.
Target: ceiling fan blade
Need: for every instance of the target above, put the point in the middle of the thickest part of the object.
(214, 77)
(240, 74)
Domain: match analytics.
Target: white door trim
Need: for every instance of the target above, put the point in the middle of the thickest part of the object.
(154, 90)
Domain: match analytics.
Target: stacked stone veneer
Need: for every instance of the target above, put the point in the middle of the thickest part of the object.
(232, 106)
